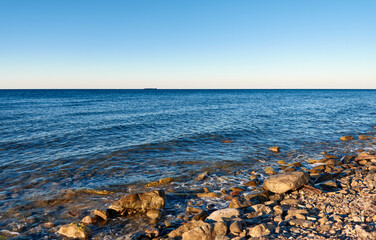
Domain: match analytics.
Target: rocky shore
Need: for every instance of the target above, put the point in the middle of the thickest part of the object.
(329, 198)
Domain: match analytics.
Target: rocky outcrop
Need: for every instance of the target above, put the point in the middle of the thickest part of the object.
(140, 202)
(282, 183)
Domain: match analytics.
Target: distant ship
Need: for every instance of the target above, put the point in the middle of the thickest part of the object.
(150, 88)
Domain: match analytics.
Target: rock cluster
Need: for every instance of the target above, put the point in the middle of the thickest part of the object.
(330, 198)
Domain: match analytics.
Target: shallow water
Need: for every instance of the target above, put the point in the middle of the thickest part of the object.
(52, 141)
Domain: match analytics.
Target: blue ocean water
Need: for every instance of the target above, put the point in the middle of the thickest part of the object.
(102, 139)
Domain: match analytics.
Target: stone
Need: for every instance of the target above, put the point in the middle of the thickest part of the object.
(236, 227)
(160, 182)
(75, 230)
(281, 162)
(222, 237)
(206, 232)
(140, 202)
(239, 202)
(270, 171)
(275, 149)
(101, 214)
(193, 210)
(219, 215)
(301, 223)
(346, 138)
(278, 210)
(258, 231)
(282, 183)
(202, 176)
(252, 183)
(186, 227)
(208, 195)
(365, 137)
(201, 216)
(154, 214)
(88, 220)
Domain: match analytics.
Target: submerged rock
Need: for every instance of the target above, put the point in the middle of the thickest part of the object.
(202, 176)
(346, 138)
(275, 149)
(160, 182)
(282, 183)
(75, 230)
(140, 202)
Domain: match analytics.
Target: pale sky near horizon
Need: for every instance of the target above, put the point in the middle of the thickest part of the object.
(188, 44)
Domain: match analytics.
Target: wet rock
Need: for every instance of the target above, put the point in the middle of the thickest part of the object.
(208, 195)
(101, 214)
(282, 183)
(75, 230)
(201, 216)
(140, 202)
(187, 227)
(193, 210)
(270, 171)
(154, 214)
(206, 232)
(160, 182)
(258, 231)
(252, 183)
(202, 176)
(88, 220)
(219, 215)
(346, 138)
(365, 137)
(275, 149)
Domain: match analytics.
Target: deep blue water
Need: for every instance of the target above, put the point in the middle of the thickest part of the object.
(102, 139)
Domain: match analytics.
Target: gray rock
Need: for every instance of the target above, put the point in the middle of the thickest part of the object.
(218, 215)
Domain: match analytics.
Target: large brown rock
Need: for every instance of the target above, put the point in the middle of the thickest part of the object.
(282, 183)
(187, 227)
(75, 230)
(206, 232)
(140, 202)
(219, 215)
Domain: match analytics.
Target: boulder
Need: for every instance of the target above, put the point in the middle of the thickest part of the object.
(218, 215)
(187, 227)
(239, 202)
(206, 232)
(140, 202)
(75, 230)
(282, 183)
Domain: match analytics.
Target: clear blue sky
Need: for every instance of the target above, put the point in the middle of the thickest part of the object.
(188, 44)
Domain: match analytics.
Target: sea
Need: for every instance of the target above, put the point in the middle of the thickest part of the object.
(57, 147)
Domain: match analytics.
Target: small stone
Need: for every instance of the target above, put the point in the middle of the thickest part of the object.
(365, 137)
(270, 171)
(193, 210)
(208, 195)
(278, 210)
(88, 220)
(251, 183)
(101, 214)
(346, 138)
(202, 176)
(281, 162)
(154, 214)
(275, 149)
(160, 182)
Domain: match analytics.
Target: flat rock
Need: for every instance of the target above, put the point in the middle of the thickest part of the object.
(140, 202)
(218, 215)
(275, 149)
(282, 183)
(160, 182)
(346, 138)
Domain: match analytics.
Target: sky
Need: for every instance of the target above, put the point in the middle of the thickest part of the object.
(192, 44)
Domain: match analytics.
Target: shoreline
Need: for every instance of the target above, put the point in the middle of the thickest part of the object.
(337, 201)
(321, 208)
